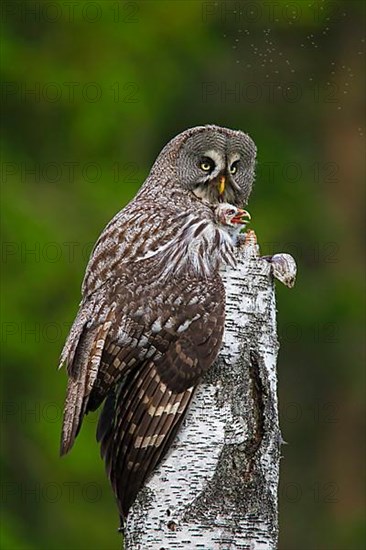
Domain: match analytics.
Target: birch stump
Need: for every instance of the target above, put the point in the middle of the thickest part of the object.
(217, 487)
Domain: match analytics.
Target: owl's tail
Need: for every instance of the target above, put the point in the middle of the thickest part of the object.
(83, 371)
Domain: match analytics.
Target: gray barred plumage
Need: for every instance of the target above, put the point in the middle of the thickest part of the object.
(151, 319)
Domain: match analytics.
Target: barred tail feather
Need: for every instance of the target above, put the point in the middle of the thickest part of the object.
(82, 374)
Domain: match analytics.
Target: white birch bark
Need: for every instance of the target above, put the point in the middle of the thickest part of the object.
(217, 487)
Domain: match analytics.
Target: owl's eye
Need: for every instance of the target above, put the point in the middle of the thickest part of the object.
(207, 165)
(233, 168)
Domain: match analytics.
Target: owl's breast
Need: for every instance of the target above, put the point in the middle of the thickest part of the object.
(199, 248)
(166, 240)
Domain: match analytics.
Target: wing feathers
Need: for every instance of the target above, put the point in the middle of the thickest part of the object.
(73, 339)
(83, 373)
(110, 436)
(147, 412)
(117, 361)
(76, 390)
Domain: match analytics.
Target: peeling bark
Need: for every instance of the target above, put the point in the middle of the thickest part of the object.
(217, 487)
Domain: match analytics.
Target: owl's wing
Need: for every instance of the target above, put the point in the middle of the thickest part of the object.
(135, 231)
(144, 411)
(164, 322)
(140, 319)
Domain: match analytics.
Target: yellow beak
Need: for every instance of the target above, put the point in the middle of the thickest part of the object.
(222, 183)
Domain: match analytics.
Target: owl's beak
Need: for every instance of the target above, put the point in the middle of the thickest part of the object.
(242, 217)
(221, 186)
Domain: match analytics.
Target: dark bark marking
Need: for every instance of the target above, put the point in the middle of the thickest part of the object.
(258, 393)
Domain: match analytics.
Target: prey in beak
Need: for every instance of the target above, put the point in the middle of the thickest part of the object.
(241, 217)
(231, 216)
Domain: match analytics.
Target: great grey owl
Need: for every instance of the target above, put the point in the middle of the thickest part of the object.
(151, 319)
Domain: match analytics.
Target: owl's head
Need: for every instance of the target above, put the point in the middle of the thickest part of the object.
(216, 164)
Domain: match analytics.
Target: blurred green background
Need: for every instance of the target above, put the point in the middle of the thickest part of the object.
(91, 92)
